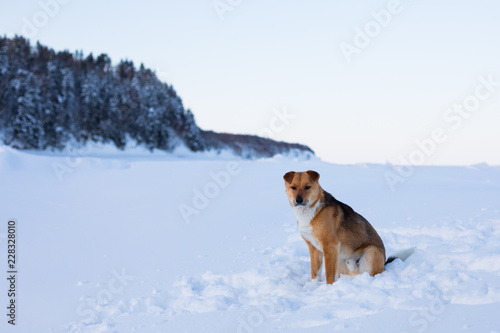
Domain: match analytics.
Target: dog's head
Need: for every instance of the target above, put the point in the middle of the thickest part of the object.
(302, 188)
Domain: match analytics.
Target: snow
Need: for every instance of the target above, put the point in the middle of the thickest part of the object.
(103, 246)
(134, 151)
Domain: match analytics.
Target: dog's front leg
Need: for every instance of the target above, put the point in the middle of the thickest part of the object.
(331, 253)
(316, 259)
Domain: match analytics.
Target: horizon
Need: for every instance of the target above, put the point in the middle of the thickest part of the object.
(297, 75)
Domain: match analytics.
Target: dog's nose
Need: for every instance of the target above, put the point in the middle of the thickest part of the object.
(299, 200)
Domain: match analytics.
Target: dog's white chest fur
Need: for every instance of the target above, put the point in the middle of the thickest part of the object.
(304, 216)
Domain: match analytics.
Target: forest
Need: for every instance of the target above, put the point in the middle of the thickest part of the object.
(51, 99)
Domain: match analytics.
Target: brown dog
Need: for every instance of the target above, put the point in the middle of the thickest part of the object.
(334, 230)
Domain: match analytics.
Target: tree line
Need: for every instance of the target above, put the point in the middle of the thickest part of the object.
(49, 99)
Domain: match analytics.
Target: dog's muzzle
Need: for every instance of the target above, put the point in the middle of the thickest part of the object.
(299, 201)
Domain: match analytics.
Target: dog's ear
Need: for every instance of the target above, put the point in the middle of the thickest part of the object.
(313, 175)
(289, 176)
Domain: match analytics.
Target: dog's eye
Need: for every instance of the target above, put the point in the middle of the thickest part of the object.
(293, 187)
(307, 187)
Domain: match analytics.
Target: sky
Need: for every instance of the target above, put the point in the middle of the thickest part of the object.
(401, 82)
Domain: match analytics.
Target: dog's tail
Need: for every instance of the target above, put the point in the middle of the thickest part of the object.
(403, 255)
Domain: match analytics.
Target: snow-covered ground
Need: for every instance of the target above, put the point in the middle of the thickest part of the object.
(156, 243)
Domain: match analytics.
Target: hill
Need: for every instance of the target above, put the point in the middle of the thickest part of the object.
(49, 100)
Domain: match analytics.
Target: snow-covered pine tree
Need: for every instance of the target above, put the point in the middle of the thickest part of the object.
(53, 108)
(26, 131)
(191, 133)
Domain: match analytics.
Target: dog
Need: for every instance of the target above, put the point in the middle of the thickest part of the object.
(333, 230)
